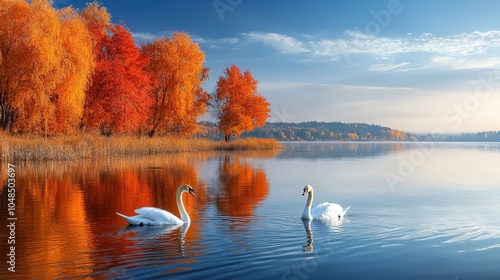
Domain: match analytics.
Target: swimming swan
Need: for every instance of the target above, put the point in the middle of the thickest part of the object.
(323, 211)
(152, 216)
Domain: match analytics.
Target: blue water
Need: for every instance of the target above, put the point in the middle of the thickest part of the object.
(418, 211)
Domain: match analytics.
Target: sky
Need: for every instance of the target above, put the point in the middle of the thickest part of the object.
(415, 66)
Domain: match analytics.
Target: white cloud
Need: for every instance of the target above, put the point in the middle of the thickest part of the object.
(144, 36)
(216, 43)
(285, 44)
(387, 67)
(464, 63)
(463, 47)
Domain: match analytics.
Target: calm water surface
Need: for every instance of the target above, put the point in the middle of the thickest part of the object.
(418, 211)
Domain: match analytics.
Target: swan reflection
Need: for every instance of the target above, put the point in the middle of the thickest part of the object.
(147, 234)
(325, 226)
(308, 247)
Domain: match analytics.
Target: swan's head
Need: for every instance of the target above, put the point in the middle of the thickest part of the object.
(307, 189)
(187, 188)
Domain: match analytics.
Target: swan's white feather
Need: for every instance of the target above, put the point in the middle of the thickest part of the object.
(159, 215)
(328, 211)
(152, 216)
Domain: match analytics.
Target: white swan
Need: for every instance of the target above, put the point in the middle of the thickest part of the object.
(323, 211)
(152, 216)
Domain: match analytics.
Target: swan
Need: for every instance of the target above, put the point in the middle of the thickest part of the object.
(323, 211)
(152, 216)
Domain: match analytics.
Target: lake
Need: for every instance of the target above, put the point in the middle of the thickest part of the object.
(418, 211)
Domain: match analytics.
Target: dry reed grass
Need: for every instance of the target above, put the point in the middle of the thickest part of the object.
(71, 147)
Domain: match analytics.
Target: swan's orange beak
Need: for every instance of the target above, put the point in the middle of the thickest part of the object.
(304, 192)
(191, 192)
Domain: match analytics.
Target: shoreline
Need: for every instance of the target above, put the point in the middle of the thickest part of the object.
(87, 146)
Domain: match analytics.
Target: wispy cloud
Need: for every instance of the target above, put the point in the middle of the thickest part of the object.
(461, 47)
(387, 66)
(206, 42)
(216, 43)
(144, 36)
(285, 44)
(464, 63)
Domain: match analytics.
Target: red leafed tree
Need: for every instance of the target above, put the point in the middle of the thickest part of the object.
(117, 99)
(237, 104)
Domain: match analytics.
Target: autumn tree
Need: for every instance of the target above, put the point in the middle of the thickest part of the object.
(237, 104)
(397, 135)
(45, 62)
(117, 99)
(98, 20)
(39, 76)
(76, 67)
(176, 65)
(353, 136)
(16, 66)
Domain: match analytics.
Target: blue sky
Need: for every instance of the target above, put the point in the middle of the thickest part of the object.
(419, 66)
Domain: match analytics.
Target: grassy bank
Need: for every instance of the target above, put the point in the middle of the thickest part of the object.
(95, 146)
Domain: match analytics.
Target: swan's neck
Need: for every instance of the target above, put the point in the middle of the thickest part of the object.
(307, 210)
(182, 210)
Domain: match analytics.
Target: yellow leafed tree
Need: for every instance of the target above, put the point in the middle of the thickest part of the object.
(77, 63)
(176, 65)
(44, 66)
(15, 60)
(97, 17)
(31, 100)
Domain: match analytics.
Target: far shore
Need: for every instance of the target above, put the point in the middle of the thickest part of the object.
(85, 146)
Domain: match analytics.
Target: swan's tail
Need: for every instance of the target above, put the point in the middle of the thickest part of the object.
(347, 209)
(130, 220)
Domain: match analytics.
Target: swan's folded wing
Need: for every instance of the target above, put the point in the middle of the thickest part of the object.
(158, 215)
(135, 220)
(326, 211)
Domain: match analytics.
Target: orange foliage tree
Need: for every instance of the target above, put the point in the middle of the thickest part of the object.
(397, 135)
(176, 65)
(237, 104)
(38, 46)
(77, 65)
(117, 99)
(15, 59)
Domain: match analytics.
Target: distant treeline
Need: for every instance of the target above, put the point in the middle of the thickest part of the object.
(316, 131)
(485, 136)
(339, 131)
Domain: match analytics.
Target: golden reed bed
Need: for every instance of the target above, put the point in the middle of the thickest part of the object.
(94, 146)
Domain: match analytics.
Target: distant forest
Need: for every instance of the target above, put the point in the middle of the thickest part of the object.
(339, 131)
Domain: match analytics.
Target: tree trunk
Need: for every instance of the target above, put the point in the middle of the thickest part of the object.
(227, 137)
(7, 118)
(151, 133)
